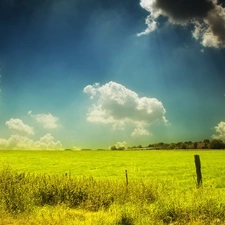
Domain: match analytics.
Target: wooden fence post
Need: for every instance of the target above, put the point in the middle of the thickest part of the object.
(198, 170)
(126, 177)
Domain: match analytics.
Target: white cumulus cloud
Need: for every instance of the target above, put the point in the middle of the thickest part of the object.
(139, 131)
(19, 142)
(47, 120)
(16, 142)
(206, 16)
(19, 127)
(119, 145)
(76, 148)
(220, 130)
(116, 105)
(47, 143)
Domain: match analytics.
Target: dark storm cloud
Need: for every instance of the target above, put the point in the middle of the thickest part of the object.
(216, 20)
(184, 10)
(206, 16)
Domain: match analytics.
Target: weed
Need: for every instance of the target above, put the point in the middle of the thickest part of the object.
(125, 220)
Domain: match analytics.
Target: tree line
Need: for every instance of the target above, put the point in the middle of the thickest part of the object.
(205, 144)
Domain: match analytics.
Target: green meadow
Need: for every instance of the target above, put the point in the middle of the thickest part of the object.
(89, 187)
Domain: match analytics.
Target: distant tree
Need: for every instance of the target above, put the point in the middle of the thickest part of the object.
(172, 146)
(189, 144)
(120, 148)
(206, 142)
(139, 146)
(179, 145)
(160, 144)
(183, 146)
(166, 146)
(216, 144)
(113, 147)
(195, 145)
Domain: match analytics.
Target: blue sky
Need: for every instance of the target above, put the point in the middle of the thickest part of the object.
(89, 74)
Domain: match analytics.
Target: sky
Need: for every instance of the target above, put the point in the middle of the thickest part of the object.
(93, 73)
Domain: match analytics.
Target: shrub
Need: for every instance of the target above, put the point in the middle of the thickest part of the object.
(125, 220)
(16, 192)
(21, 192)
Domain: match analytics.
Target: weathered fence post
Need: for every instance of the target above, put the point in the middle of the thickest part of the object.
(198, 170)
(126, 177)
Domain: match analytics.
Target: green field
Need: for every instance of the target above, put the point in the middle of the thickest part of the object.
(177, 166)
(161, 190)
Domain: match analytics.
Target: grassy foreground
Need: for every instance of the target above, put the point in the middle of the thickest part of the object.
(161, 188)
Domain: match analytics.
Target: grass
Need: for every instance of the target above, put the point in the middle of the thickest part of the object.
(43, 187)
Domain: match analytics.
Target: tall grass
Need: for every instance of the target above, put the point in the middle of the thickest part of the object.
(40, 199)
(21, 192)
